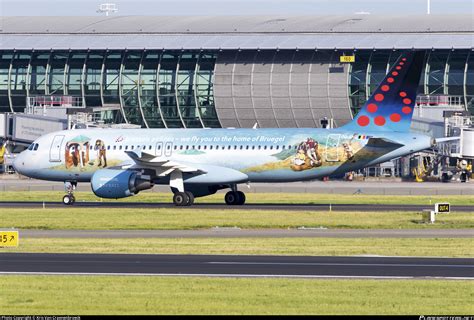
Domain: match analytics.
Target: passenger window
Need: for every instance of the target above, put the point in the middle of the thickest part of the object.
(36, 147)
(115, 147)
(108, 147)
(131, 147)
(228, 147)
(247, 147)
(241, 147)
(199, 147)
(31, 147)
(174, 147)
(187, 147)
(180, 147)
(149, 147)
(120, 147)
(126, 147)
(253, 147)
(235, 147)
(159, 147)
(210, 147)
(205, 147)
(259, 147)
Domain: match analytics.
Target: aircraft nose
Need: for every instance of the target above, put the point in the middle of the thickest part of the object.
(18, 163)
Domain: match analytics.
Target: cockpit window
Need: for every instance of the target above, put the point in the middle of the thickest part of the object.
(33, 147)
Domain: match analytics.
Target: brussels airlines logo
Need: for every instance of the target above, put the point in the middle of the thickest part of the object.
(119, 139)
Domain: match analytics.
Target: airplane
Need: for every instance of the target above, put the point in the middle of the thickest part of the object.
(120, 163)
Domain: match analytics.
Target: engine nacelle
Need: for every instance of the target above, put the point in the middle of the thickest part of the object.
(114, 184)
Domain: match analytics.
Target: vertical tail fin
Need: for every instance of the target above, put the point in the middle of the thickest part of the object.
(390, 108)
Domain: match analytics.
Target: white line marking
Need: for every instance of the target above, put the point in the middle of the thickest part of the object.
(342, 264)
(6, 273)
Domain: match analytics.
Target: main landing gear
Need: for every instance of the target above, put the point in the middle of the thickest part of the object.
(182, 199)
(69, 187)
(234, 197)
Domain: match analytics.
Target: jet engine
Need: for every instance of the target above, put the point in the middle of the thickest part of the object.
(114, 184)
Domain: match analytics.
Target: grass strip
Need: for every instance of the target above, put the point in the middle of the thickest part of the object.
(186, 219)
(193, 295)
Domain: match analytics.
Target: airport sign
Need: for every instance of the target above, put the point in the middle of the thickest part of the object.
(346, 59)
(442, 207)
(9, 238)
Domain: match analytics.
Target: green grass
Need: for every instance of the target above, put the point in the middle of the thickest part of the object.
(444, 247)
(283, 198)
(180, 218)
(193, 295)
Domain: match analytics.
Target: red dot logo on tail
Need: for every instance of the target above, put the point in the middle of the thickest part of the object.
(363, 121)
(379, 120)
(372, 107)
(406, 110)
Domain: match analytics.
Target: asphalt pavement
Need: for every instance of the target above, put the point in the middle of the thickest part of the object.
(237, 266)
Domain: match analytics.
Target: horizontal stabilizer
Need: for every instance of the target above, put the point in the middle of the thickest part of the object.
(383, 143)
(440, 140)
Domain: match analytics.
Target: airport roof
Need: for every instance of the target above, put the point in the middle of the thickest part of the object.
(238, 32)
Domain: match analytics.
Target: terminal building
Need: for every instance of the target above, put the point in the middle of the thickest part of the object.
(213, 72)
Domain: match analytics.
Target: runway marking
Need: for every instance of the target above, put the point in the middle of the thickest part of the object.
(212, 275)
(344, 264)
(256, 263)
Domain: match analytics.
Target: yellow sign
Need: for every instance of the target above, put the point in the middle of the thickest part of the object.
(2, 154)
(442, 207)
(9, 238)
(347, 58)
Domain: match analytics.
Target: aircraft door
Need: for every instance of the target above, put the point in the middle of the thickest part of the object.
(168, 148)
(332, 147)
(159, 149)
(55, 151)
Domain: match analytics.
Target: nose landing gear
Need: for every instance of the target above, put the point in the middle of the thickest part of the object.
(69, 187)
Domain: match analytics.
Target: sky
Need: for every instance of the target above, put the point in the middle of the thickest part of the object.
(232, 7)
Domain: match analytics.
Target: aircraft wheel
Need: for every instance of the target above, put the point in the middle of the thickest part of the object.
(180, 199)
(190, 198)
(68, 200)
(231, 198)
(241, 198)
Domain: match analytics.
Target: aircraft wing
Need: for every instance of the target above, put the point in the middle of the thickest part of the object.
(163, 167)
(195, 172)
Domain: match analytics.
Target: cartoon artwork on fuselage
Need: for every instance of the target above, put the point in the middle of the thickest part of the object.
(101, 153)
(77, 152)
(310, 154)
(82, 154)
(307, 156)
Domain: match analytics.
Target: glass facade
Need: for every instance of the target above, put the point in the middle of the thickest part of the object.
(176, 89)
